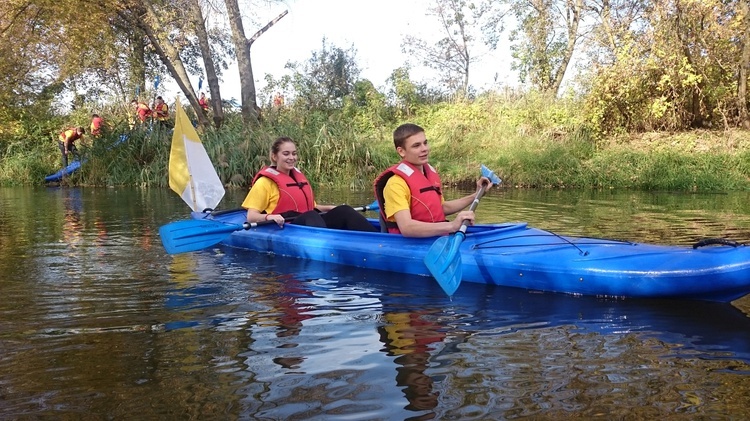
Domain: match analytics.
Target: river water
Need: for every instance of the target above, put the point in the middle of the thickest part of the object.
(98, 322)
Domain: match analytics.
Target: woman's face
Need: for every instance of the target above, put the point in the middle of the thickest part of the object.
(286, 158)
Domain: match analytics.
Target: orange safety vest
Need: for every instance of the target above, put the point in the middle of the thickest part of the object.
(295, 193)
(71, 135)
(96, 126)
(426, 194)
(161, 111)
(143, 111)
(203, 103)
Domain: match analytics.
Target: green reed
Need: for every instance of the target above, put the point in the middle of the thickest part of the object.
(529, 141)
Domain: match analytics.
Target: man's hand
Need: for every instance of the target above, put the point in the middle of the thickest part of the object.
(460, 217)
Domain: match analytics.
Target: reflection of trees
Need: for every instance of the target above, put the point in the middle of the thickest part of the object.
(409, 336)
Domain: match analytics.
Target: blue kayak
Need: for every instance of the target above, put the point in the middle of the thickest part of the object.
(516, 255)
(72, 167)
(76, 165)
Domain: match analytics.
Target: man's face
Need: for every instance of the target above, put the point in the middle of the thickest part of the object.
(415, 150)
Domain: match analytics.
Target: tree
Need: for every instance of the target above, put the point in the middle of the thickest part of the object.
(158, 27)
(327, 77)
(744, 64)
(199, 26)
(250, 110)
(545, 40)
(450, 56)
(675, 65)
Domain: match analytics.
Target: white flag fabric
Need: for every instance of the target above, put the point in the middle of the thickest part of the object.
(191, 173)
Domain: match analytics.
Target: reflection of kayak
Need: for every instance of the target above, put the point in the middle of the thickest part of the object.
(708, 329)
(72, 167)
(516, 255)
(75, 165)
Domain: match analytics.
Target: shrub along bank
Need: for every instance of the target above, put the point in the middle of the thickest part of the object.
(530, 142)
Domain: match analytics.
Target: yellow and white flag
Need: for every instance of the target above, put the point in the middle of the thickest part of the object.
(191, 173)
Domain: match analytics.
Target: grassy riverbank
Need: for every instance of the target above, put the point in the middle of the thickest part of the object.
(530, 143)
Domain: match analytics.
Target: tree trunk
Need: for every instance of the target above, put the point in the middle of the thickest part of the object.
(575, 9)
(199, 23)
(744, 66)
(250, 109)
(137, 62)
(170, 57)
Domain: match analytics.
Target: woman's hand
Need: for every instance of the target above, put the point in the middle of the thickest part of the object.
(255, 217)
(276, 218)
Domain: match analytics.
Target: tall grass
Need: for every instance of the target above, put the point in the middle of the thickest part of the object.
(530, 141)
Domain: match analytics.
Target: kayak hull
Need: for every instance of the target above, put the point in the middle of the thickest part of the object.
(71, 168)
(76, 165)
(515, 255)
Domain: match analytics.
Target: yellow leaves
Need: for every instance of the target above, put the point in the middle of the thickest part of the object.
(659, 107)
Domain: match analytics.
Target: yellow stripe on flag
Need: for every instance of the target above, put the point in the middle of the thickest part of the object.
(179, 173)
(191, 173)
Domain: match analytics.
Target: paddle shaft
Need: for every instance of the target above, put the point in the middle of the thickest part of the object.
(371, 206)
(443, 259)
(473, 206)
(197, 234)
(248, 225)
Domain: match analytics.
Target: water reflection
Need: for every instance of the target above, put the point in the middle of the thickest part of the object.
(72, 226)
(320, 326)
(411, 336)
(105, 324)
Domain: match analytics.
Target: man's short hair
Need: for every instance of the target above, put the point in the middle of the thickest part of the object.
(404, 132)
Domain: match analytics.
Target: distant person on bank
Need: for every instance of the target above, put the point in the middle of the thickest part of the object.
(203, 102)
(161, 111)
(96, 125)
(66, 141)
(142, 110)
(281, 191)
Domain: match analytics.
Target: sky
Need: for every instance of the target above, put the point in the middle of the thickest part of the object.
(375, 28)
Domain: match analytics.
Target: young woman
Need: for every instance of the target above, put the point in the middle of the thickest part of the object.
(281, 191)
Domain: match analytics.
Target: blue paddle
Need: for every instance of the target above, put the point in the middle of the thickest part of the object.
(197, 234)
(443, 259)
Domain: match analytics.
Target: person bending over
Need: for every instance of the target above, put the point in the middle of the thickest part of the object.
(282, 191)
(66, 141)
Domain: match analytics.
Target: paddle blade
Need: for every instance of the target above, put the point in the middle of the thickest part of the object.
(193, 235)
(443, 260)
(486, 172)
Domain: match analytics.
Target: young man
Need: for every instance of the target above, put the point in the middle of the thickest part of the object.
(410, 192)
(66, 142)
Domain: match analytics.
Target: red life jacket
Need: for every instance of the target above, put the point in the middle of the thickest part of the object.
(143, 111)
(96, 126)
(71, 135)
(161, 111)
(203, 103)
(426, 196)
(295, 193)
